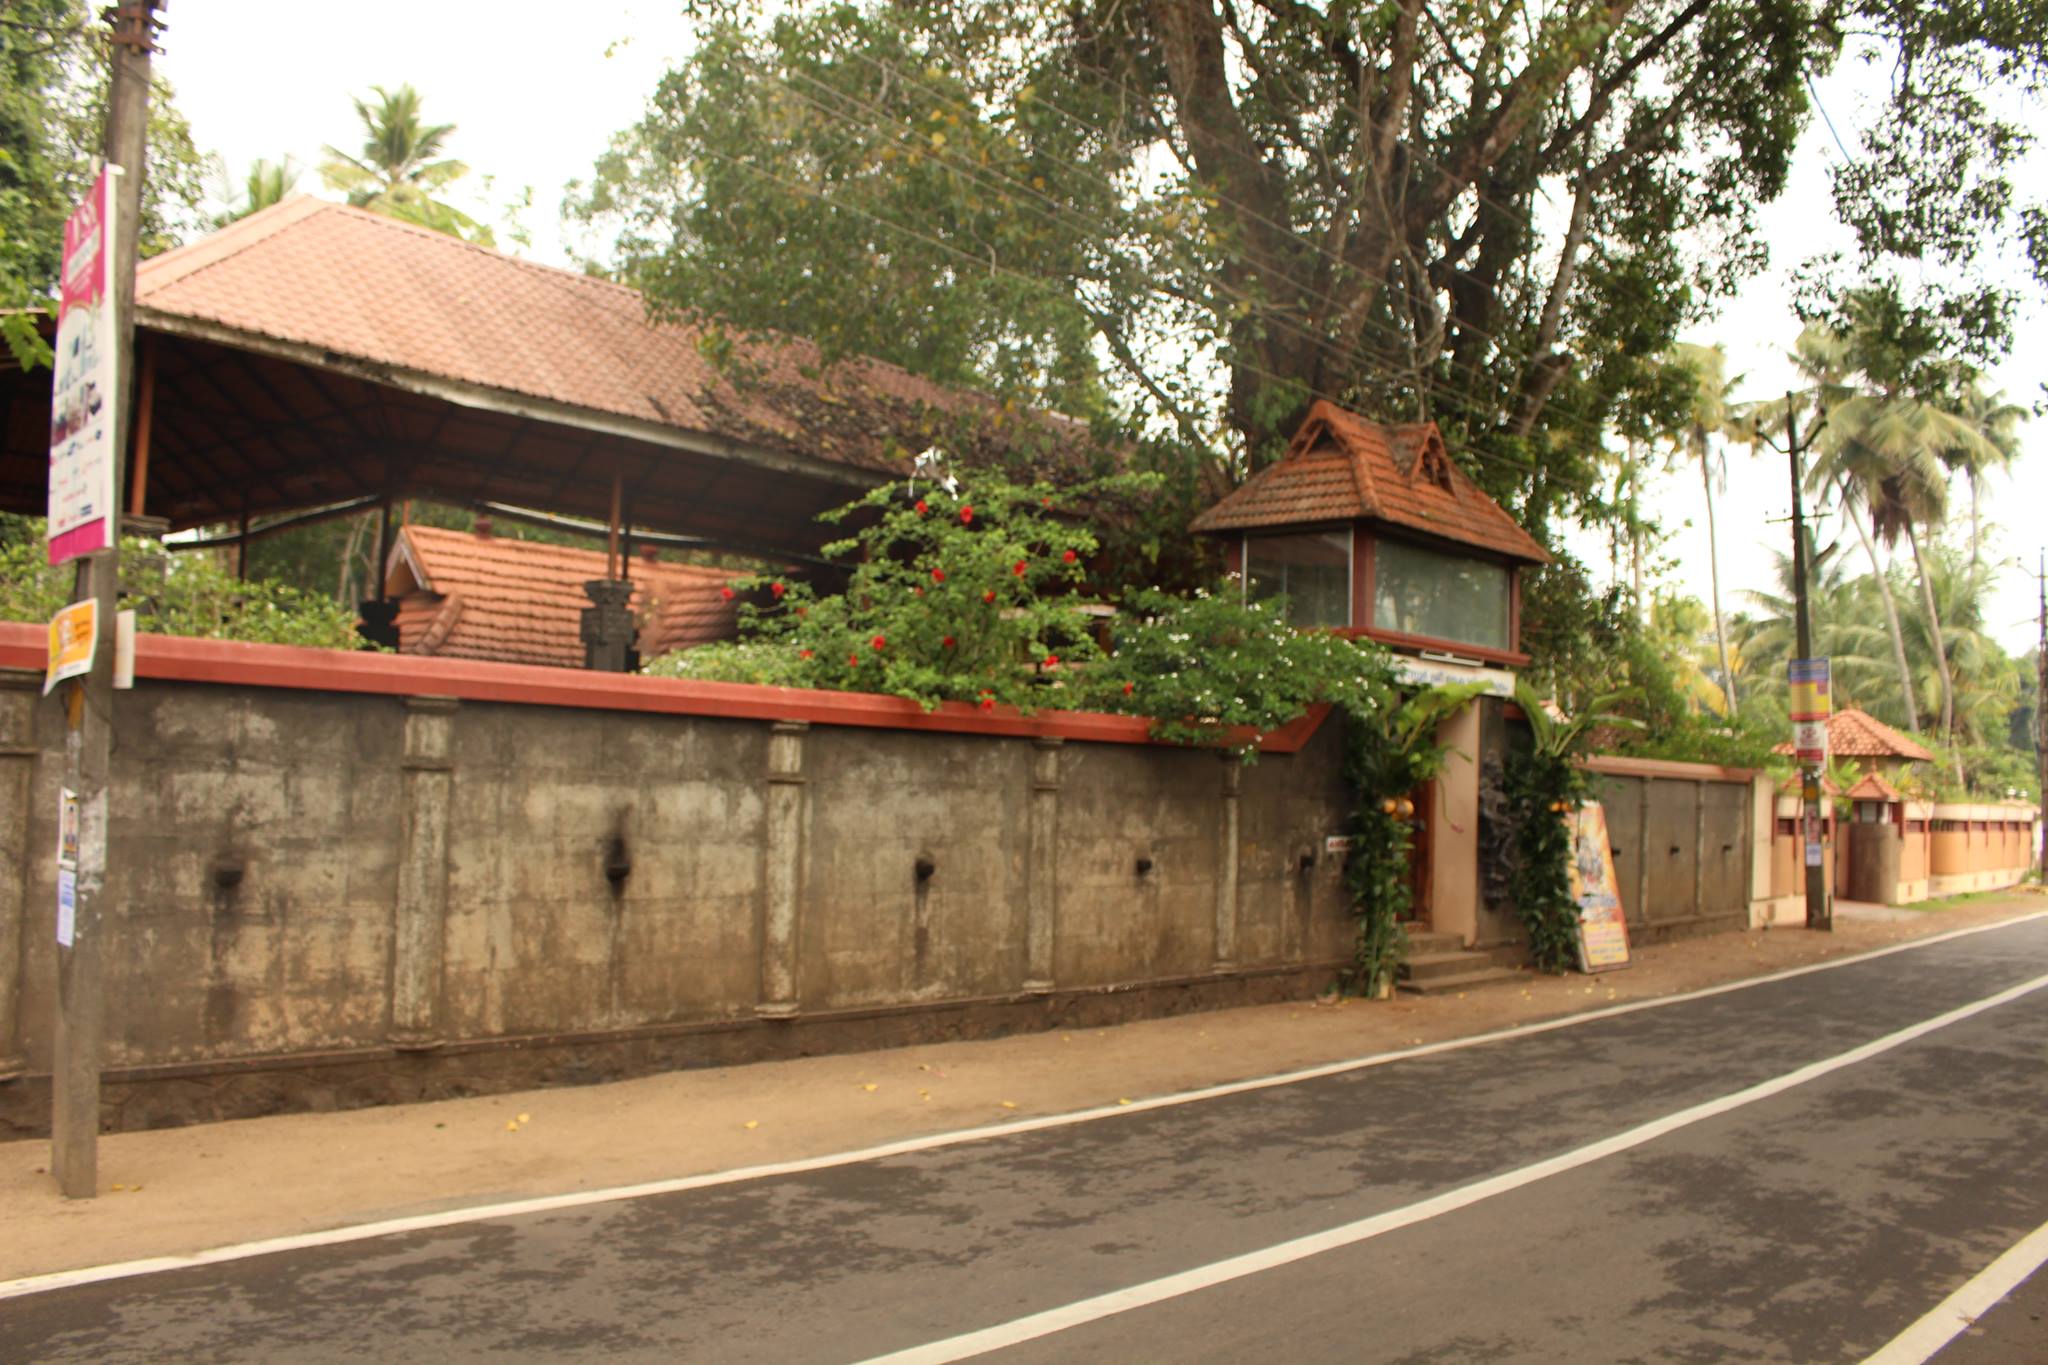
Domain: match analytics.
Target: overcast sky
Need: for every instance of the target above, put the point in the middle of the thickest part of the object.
(536, 103)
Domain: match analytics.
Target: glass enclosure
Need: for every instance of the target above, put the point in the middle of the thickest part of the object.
(1312, 569)
(1419, 591)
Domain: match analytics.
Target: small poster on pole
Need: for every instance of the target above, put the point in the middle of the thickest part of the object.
(84, 382)
(1603, 929)
(67, 867)
(1812, 699)
(74, 641)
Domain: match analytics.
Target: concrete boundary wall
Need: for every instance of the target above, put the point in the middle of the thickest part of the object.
(347, 895)
(1691, 844)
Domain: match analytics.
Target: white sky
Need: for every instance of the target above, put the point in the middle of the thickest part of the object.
(537, 101)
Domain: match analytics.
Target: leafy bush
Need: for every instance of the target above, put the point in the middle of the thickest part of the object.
(953, 596)
(1203, 664)
(193, 596)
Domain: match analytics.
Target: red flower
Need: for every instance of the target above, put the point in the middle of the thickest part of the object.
(922, 507)
(726, 593)
(803, 611)
(1052, 661)
(989, 596)
(879, 641)
(938, 575)
(853, 661)
(918, 590)
(988, 701)
(946, 643)
(1069, 557)
(778, 589)
(1018, 568)
(805, 654)
(966, 516)
(1045, 502)
(1128, 687)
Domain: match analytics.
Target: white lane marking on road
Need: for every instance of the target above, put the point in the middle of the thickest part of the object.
(1067, 1316)
(477, 1213)
(1948, 1318)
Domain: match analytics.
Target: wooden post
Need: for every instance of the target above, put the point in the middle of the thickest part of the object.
(611, 548)
(145, 411)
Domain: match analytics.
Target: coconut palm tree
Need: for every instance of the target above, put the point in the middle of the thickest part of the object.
(401, 168)
(1888, 444)
(267, 183)
(1708, 416)
(1998, 422)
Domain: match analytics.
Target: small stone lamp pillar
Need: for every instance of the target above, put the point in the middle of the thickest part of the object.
(608, 625)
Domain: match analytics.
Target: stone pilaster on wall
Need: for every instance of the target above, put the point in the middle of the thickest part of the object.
(419, 919)
(17, 765)
(1226, 869)
(783, 879)
(1042, 865)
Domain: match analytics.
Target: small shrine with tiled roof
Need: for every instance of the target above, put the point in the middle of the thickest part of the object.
(1374, 529)
(471, 595)
(1862, 736)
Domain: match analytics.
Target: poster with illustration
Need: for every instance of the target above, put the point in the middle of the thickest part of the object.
(1603, 929)
(83, 381)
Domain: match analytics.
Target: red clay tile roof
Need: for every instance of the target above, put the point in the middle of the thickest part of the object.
(1858, 734)
(466, 596)
(367, 288)
(1340, 467)
(1872, 787)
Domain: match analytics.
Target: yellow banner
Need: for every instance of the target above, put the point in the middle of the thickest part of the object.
(74, 639)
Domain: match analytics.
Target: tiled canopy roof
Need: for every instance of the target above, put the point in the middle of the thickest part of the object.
(469, 596)
(1340, 467)
(1858, 734)
(347, 283)
(1872, 787)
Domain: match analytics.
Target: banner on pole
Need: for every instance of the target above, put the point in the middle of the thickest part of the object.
(1603, 930)
(84, 382)
(1811, 699)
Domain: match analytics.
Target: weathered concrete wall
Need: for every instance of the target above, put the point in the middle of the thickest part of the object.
(331, 898)
(1686, 854)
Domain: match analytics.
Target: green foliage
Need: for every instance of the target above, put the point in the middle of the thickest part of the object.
(400, 170)
(53, 92)
(1204, 664)
(951, 596)
(194, 596)
(1390, 749)
(1543, 783)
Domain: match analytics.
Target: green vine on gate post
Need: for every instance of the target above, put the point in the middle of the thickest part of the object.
(1390, 749)
(1544, 783)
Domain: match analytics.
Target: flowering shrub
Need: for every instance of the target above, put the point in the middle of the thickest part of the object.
(1213, 661)
(967, 596)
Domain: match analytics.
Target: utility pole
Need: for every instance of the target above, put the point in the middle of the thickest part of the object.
(89, 701)
(1819, 911)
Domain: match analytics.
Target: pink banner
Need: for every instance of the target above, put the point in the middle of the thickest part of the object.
(84, 382)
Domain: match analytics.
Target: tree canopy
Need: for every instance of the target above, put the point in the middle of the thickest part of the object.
(1497, 215)
(400, 169)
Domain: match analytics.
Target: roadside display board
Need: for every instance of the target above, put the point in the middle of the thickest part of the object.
(83, 382)
(1603, 930)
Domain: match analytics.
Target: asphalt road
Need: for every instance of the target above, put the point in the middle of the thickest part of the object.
(1693, 1182)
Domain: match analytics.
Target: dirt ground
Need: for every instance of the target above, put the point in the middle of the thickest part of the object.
(183, 1190)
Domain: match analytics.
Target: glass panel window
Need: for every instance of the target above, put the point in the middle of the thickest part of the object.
(1312, 570)
(1419, 591)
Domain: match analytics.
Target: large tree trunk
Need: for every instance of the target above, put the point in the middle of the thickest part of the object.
(1891, 617)
(1714, 575)
(1948, 686)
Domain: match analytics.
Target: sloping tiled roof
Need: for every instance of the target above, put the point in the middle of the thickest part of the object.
(360, 286)
(1340, 467)
(468, 596)
(1872, 787)
(1858, 734)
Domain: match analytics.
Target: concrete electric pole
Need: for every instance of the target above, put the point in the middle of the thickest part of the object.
(1819, 911)
(89, 701)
